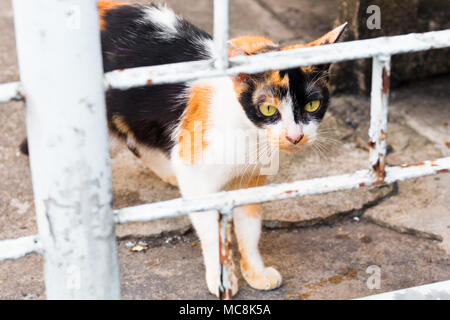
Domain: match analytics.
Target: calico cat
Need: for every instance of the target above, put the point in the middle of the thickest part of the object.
(169, 126)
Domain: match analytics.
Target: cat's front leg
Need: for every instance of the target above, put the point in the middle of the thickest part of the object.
(198, 181)
(247, 226)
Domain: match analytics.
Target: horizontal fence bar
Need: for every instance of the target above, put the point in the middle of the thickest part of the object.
(186, 71)
(433, 291)
(10, 92)
(18, 248)
(351, 50)
(218, 201)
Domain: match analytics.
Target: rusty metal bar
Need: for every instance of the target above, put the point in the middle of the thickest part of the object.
(351, 50)
(225, 253)
(217, 201)
(379, 105)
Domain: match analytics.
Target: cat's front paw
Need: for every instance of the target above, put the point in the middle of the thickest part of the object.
(213, 282)
(268, 279)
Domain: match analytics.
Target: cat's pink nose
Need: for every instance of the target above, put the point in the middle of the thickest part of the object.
(295, 139)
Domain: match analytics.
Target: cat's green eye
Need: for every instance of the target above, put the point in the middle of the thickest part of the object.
(267, 110)
(312, 106)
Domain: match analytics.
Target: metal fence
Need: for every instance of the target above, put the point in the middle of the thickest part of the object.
(63, 85)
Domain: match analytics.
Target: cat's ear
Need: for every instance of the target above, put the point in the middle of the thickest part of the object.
(234, 51)
(328, 38)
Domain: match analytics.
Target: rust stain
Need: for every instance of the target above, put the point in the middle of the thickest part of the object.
(291, 191)
(372, 144)
(386, 81)
(418, 164)
(382, 135)
(362, 184)
(149, 82)
(442, 171)
(226, 259)
(378, 168)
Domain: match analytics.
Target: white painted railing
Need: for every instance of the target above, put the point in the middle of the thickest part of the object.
(60, 68)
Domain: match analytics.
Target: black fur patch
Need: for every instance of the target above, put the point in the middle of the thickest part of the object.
(128, 41)
(306, 87)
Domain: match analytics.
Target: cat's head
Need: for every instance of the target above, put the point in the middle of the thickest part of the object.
(288, 104)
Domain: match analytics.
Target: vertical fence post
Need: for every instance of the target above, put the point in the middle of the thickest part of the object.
(379, 105)
(221, 31)
(61, 72)
(225, 254)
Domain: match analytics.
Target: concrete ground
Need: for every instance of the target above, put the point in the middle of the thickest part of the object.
(322, 245)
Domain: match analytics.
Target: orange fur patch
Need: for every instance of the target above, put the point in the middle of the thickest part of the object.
(105, 6)
(244, 182)
(294, 46)
(251, 44)
(120, 124)
(276, 80)
(240, 182)
(252, 210)
(194, 124)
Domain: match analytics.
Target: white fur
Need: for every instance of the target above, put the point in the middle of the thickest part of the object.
(248, 231)
(287, 125)
(159, 163)
(164, 18)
